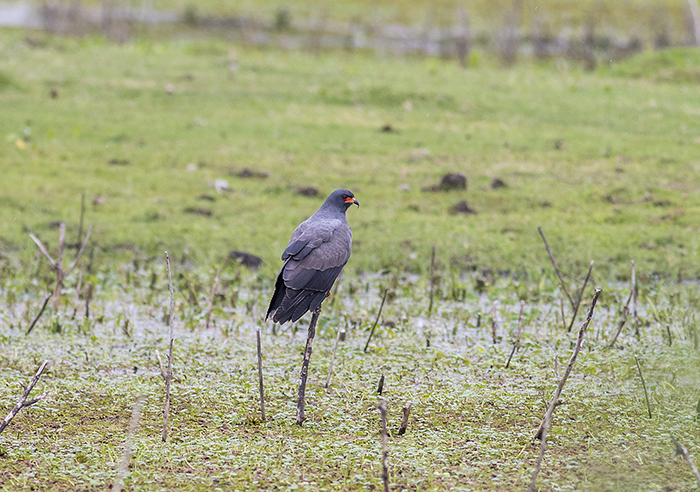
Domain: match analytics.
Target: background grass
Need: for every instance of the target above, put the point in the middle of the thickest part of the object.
(605, 164)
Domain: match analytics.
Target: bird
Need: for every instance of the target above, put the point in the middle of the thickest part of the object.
(316, 254)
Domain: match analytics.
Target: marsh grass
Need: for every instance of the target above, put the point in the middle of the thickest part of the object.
(472, 421)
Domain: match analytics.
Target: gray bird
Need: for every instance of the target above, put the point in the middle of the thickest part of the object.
(315, 256)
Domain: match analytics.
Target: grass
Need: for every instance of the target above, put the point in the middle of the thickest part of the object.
(605, 164)
(472, 421)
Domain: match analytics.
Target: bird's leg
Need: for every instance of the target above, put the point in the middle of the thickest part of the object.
(305, 366)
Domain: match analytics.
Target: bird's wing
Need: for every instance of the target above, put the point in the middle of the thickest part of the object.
(316, 255)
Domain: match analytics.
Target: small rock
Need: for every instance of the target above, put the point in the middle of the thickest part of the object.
(169, 88)
(498, 183)
(221, 186)
(308, 191)
(462, 208)
(559, 144)
(248, 260)
(448, 182)
(191, 168)
(54, 93)
(98, 200)
(545, 204)
(405, 187)
(388, 129)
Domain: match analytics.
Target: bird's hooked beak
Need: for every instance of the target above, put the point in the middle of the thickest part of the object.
(351, 200)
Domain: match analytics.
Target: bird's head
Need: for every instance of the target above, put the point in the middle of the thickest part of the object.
(342, 199)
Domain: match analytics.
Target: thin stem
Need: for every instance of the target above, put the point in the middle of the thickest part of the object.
(556, 266)
(301, 416)
(376, 320)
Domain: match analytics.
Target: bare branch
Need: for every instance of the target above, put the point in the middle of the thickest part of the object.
(376, 320)
(385, 449)
(80, 252)
(22, 402)
(556, 266)
(301, 416)
(641, 376)
(681, 450)
(41, 311)
(169, 374)
(580, 296)
(516, 345)
(43, 250)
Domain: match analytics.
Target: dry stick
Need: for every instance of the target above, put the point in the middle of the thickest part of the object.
(580, 296)
(681, 450)
(569, 367)
(516, 345)
(41, 311)
(494, 313)
(77, 293)
(126, 455)
(404, 421)
(556, 267)
(88, 298)
(305, 366)
(260, 375)
(646, 395)
(432, 279)
(635, 318)
(561, 305)
(623, 318)
(23, 402)
(385, 449)
(82, 217)
(330, 367)
(380, 386)
(376, 320)
(169, 374)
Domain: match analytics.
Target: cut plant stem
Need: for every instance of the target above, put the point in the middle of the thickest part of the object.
(404, 421)
(516, 345)
(385, 447)
(41, 311)
(580, 296)
(641, 376)
(380, 386)
(260, 375)
(556, 267)
(301, 416)
(169, 373)
(376, 320)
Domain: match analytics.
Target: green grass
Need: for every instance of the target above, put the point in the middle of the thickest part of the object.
(472, 420)
(605, 164)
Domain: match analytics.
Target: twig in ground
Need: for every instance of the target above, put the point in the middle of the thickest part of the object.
(556, 267)
(376, 320)
(128, 443)
(169, 373)
(335, 347)
(385, 448)
(301, 416)
(570, 365)
(561, 305)
(681, 450)
(516, 345)
(404, 421)
(432, 279)
(380, 386)
(646, 395)
(635, 318)
(41, 311)
(88, 298)
(260, 375)
(623, 318)
(580, 296)
(23, 402)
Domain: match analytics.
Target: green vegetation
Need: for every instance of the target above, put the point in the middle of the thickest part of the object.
(605, 164)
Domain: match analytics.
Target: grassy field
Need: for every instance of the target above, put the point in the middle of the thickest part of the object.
(604, 163)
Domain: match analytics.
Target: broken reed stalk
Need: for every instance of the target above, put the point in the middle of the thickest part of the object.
(380, 385)
(404, 421)
(23, 402)
(61, 273)
(580, 296)
(128, 443)
(376, 320)
(432, 279)
(556, 266)
(516, 345)
(169, 373)
(570, 366)
(385, 447)
(543, 447)
(681, 450)
(260, 376)
(301, 416)
(635, 318)
(41, 311)
(211, 296)
(494, 327)
(623, 318)
(641, 376)
(335, 348)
